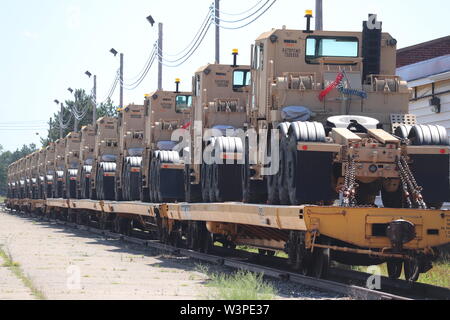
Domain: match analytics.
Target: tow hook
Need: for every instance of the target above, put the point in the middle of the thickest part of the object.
(401, 232)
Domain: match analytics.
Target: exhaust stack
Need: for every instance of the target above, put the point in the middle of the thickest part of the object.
(235, 54)
(177, 85)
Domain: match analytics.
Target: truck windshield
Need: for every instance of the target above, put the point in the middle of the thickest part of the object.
(183, 103)
(317, 47)
(241, 78)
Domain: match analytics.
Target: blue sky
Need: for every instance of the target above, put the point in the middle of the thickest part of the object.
(47, 45)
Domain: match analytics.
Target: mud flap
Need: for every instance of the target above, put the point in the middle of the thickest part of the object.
(172, 184)
(432, 173)
(314, 174)
(227, 182)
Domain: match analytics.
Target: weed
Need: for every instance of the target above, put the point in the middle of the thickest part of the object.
(17, 271)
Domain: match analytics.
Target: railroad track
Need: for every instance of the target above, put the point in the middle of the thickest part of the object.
(343, 282)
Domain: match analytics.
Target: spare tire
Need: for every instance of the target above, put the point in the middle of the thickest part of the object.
(428, 135)
(403, 131)
(308, 131)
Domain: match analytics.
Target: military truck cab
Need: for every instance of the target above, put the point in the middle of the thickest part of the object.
(86, 161)
(162, 167)
(105, 156)
(220, 100)
(72, 164)
(131, 146)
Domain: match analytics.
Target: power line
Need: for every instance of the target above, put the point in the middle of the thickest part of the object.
(245, 25)
(247, 17)
(242, 13)
(144, 68)
(142, 77)
(197, 35)
(199, 40)
(193, 50)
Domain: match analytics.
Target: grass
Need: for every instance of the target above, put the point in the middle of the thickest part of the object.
(438, 276)
(2, 199)
(17, 271)
(241, 285)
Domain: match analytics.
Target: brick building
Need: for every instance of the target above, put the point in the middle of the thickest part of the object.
(423, 51)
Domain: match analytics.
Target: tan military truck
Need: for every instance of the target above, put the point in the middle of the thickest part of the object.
(60, 156)
(343, 117)
(86, 160)
(105, 157)
(12, 181)
(220, 99)
(20, 179)
(49, 169)
(162, 170)
(72, 164)
(23, 177)
(345, 136)
(34, 175)
(131, 148)
(41, 174)
(27, 176)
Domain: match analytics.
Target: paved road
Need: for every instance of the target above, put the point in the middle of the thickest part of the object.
(71, 264)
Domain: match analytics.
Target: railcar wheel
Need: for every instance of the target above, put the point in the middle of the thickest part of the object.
(192, 236)
(394, 269)
(412, 269)
(299, 256)
(321, 259)
(103, 221)
(303, 256)
(122, 226)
